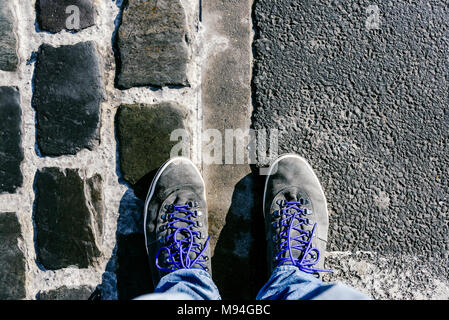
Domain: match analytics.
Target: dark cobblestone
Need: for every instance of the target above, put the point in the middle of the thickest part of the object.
(69, 215)
(12, 260)
(152, 44)
(143, 133)
(53, 15)
(11, 152)
(67, 97)
(8, 40)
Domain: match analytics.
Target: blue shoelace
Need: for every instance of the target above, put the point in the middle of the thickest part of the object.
(293, 218)
(181, 240)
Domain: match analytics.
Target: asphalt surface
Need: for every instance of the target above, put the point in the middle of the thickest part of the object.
(367, 105)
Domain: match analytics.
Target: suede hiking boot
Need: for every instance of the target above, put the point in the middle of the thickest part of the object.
(296, 217)
(176, 220)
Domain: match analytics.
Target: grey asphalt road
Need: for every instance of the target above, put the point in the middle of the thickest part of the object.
(360, 89)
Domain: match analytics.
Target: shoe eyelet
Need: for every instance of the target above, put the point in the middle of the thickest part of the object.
(192, 204)
(196, 213)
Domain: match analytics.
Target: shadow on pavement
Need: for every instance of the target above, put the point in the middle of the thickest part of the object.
(238, 264)
(127, 273)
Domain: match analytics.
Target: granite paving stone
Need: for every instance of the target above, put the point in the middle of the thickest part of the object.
(143, 133)
(152, 44)
(8, 38)
(69, 214)
(57, 15)
(12, 259)
(11, 152)
(68, 91)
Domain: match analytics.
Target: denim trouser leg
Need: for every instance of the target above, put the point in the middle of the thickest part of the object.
(289, 283)
(184, 284)
(286, 283)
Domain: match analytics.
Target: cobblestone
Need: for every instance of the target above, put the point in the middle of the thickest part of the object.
(69, 218)
(152, 44)
(57, 15)
(141, 127)
(8, 39)
(67, 97)
(12, 259)
(11, 151)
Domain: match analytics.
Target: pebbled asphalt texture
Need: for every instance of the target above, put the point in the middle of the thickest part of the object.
(366, 101)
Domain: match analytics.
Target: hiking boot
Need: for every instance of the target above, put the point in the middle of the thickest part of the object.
(296, 217)
(176, 220)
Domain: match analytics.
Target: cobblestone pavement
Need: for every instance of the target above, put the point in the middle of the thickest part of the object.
(88, 102)
(91, 91)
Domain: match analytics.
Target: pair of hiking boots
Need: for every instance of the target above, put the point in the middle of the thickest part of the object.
(176, 223)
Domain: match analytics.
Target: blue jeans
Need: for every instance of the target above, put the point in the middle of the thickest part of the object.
(286, 283)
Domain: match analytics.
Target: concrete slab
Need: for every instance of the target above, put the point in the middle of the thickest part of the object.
(226, 104)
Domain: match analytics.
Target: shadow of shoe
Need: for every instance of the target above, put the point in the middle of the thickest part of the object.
(238, 264)
(142, 186)
(239, 261)
(127, 273)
